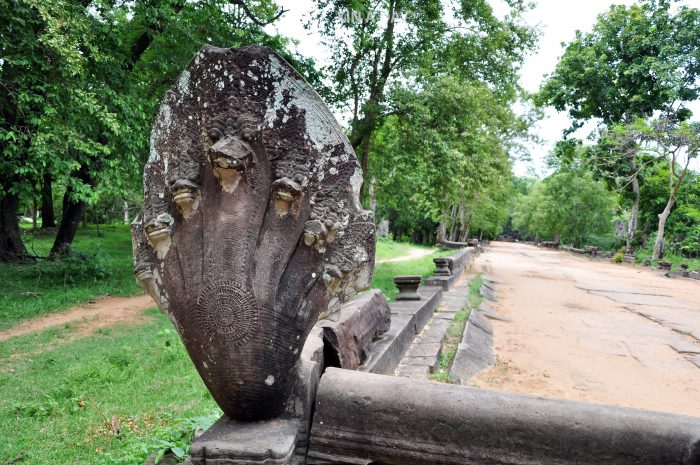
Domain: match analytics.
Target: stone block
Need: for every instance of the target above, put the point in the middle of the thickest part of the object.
(408, 287)
(422, 310)
(475, 351)
(414, 371)
(363, 418)
(390, 348)
(228, 442)
(361, 321)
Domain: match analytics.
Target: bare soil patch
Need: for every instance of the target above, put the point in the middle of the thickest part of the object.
(105, 311)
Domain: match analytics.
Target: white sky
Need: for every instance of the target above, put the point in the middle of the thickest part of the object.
(558, 21)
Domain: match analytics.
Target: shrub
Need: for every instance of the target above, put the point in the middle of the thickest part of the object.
(76, 267)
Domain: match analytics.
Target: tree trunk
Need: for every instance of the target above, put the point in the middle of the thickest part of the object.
(73, 212)
(373, 195)
(467, 226)
(48, 218)
(35, 212)
(455, 224)
(663, 216)
(12, 248)
(634, 215)
(440, 232)
(126, 212)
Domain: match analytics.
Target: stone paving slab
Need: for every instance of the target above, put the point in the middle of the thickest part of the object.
(445, 315)
(414, 371)
(427, 346)
(431, 362)
(694, 359)
(641, 299)
(475, 352)
(424, 349)
(488, 293)
(436, 336)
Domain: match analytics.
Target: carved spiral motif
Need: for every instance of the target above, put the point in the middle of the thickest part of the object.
(227, 312)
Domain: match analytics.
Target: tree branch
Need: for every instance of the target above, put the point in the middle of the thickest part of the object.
(252, 16)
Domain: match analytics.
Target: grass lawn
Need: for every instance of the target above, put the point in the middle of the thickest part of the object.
(108, 398)
(384, 272)
(44, 287)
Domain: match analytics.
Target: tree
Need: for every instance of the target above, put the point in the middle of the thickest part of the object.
(569, 203)
(674, 142)
(377, 42)
(446, 155)
(636, 60)
(81, 81)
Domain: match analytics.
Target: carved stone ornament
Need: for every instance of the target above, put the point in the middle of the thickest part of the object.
(252, 228)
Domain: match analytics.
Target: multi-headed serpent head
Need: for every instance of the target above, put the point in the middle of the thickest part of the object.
(252, 228)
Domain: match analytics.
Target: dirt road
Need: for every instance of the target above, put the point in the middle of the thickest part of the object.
(593, 331)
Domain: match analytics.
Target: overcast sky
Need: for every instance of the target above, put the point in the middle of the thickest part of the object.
(558, 21)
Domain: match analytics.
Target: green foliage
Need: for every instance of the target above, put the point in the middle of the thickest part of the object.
(81, 82)
(76, 267)
(384, 273)
(570, 204)
(172, 435)
(378, 44)
(636, 60)
(448, 150)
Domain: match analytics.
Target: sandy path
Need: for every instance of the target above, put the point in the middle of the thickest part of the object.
(412, 255)
(103, 312)
(593, 331)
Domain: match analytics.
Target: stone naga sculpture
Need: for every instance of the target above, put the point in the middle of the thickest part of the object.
(251, 228)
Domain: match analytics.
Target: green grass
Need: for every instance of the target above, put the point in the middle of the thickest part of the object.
(386, 248)
(693, 263)
(384, 272)
(43, 287)
(55, 403)
(455, 331)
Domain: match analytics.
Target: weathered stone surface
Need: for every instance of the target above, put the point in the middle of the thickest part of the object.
(445, 315)
(390, 348)
(361, 321)
(363, 418)
(252, 227)
(442, 266)
(475, 351)
(444, 282)
(237, 443)
(460, 259)
(426, 349)
(408, 287)
(414, 372)
(487, 293)
(422, 310)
